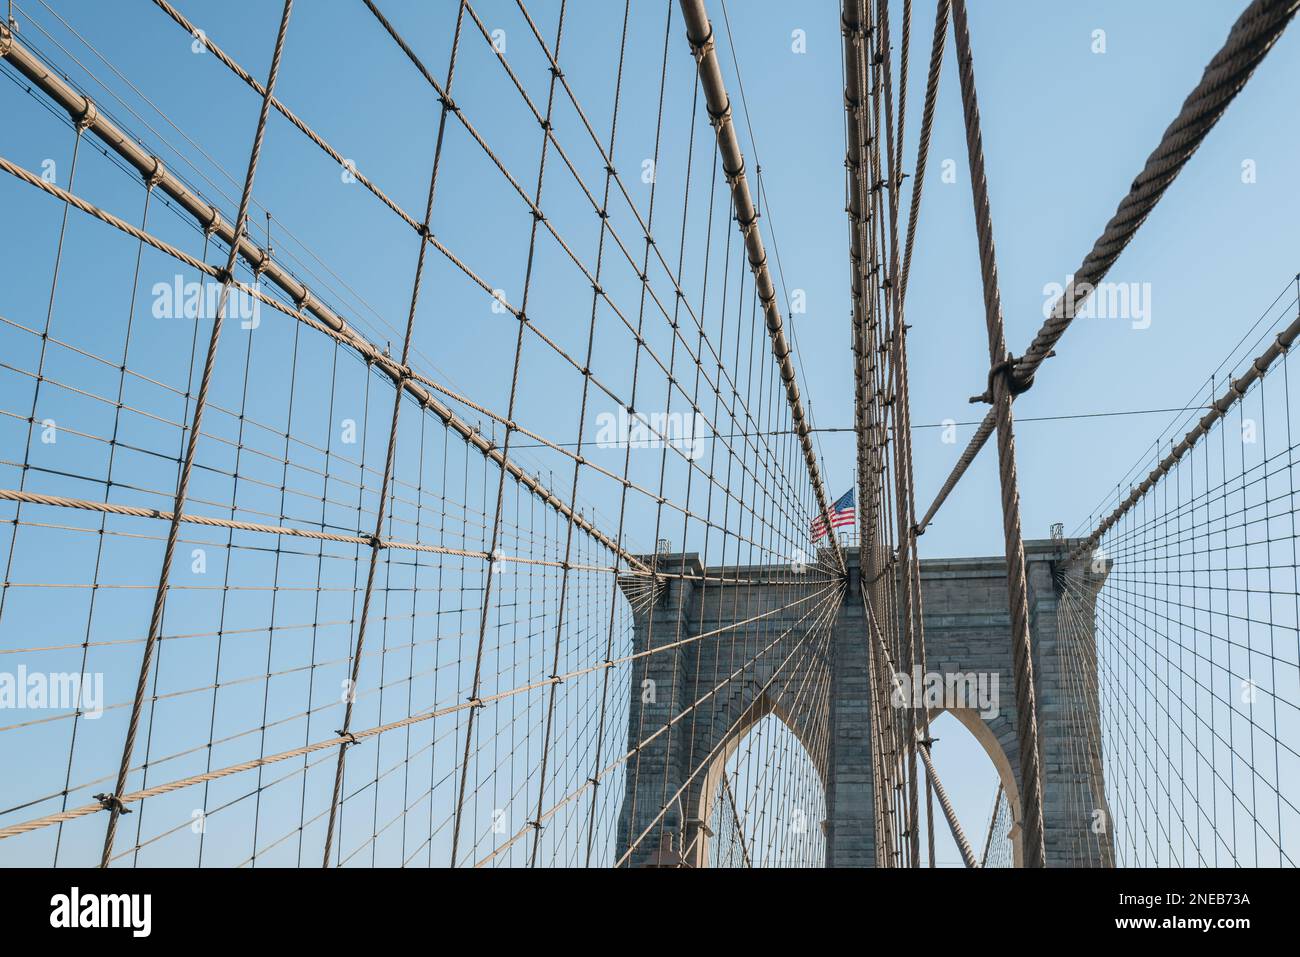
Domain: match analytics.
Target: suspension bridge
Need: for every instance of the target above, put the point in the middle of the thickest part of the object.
(532, 557)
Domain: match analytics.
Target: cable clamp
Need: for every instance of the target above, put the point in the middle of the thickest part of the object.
(155, 175)
(350, 735)
(214, 221)
(718, 117)
(263, 262)
(111, 802)
(88, 116)
(1006, 370)
(701, 47)
(6, 39)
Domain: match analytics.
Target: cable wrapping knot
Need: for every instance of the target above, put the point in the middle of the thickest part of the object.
(1006, 371)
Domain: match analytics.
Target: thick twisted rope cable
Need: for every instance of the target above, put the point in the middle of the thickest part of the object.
(929, 820)
(1249, 41)
(1031, 784)
(865, 423)
(923, 145)
(878, 325)
(699, 31)
(904, 60)
(913, 629)
(891, 677)
(954, 825)
(880, 176)
(867, 426)
(182, 489)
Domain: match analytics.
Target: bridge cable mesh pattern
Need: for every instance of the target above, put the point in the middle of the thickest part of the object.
(421, 631)
(414, 647)
(1189, 606)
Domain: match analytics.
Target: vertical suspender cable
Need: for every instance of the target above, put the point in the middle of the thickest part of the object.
(1000, 385)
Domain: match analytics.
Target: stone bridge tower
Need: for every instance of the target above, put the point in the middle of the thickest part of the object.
(966, 630)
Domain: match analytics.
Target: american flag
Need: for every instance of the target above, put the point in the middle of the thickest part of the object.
(843, 512)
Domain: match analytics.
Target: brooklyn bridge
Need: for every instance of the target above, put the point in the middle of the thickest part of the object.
(407, 449)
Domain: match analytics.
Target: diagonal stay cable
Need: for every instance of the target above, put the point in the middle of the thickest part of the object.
(954, 825)
(1250, 39)
(1000, 393)
(114, 803)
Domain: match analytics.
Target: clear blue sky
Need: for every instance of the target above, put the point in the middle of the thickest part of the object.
(1065, 130)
